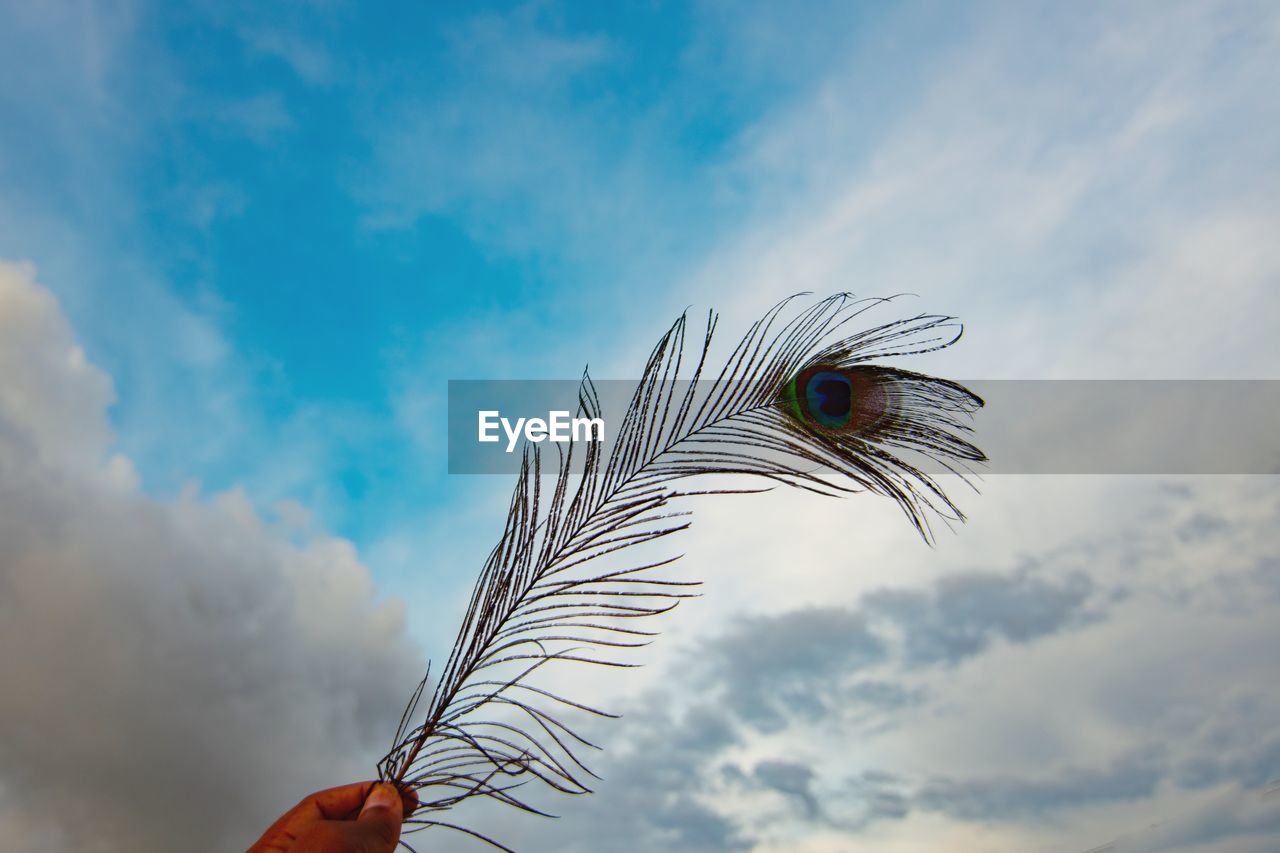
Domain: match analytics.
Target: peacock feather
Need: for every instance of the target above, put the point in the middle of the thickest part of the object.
(798, 401)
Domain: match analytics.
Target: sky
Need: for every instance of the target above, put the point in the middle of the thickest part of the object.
(243, 249)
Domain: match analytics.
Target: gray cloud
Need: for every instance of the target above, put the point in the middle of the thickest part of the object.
(773, 667)
(1009, 797)
(1253, 767)
(1201, 525)
(1238, 744)
(1267, 574)
(792, 779)
(802, 664)
(656, 777)
(964, 613)
(175, 673)
(1232, 821)
(881, 796)
(774, 675)
(884, 696)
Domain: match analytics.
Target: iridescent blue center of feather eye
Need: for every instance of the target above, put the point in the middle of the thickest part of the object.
(830, 398)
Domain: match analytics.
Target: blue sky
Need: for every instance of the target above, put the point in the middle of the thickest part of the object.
(261, 240)
(266, 224)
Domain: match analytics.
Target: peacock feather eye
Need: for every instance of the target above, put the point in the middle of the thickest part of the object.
(836, 399)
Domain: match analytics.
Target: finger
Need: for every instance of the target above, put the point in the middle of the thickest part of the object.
(334, 803)
(380, 819)
(343, 802)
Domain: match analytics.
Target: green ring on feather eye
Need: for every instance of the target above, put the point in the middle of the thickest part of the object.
(791, 400)
(821, 397)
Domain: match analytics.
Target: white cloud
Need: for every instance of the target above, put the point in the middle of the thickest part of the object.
(53, 400)
(173, 670)
(1089, 192)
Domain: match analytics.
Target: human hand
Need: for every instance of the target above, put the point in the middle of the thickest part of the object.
(363, 817)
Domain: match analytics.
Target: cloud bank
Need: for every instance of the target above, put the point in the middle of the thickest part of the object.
(1113, 691)
(175, 669)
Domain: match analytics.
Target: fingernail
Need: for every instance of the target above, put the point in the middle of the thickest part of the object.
(383, 796)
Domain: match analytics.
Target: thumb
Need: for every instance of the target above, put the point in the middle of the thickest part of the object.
(378, 825)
